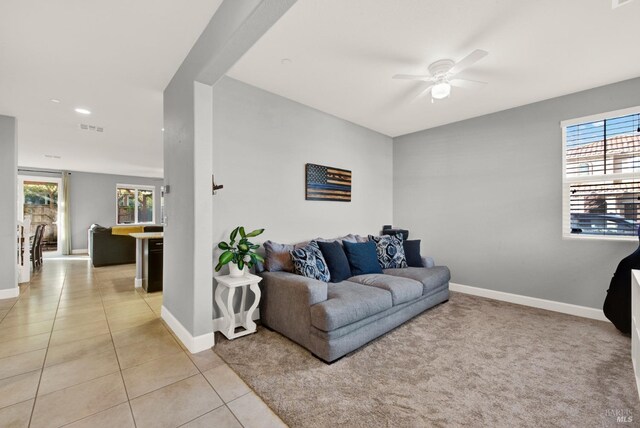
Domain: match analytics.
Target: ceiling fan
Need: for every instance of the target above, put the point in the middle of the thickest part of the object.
(442, 75)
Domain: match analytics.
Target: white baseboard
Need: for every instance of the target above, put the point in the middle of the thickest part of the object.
(138, 283)
(218, 323)
(193, 344)
(9, 293)
(550, 305)
(80, 251)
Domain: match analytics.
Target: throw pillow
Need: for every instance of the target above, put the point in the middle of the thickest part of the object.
(308, 261)
(278, 257)
(362, 257)
(336, 259)
(349, 237)
(390, 251)
(412, 253)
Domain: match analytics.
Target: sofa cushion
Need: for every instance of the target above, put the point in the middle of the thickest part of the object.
(348, 302)
(308, 261)
(402, 289)
(430, 278)
(336, 260)
(389, 251)
(362, 257)
(412, 253)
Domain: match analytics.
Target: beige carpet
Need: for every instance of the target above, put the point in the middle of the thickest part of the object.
(468, 362)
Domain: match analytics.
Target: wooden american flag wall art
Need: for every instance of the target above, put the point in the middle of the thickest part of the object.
(325, 183)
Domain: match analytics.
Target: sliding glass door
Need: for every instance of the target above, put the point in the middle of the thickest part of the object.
(41, 201)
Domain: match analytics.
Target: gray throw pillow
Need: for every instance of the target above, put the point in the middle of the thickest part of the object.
(308, 261)
(390, 251)
(277, 257)
(349, 238)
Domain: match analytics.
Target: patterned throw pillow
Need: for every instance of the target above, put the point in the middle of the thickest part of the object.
(308, 261)
(390, 251)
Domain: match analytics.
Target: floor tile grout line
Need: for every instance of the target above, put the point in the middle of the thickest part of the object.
(35, 398)
(93, 414)
(26, 352)
(15, 404)
(19, 374)
(124, 385)
(224, 403)
(212, 410)
(76, 359)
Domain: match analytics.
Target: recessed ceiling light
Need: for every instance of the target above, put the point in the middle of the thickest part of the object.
(55, 100)
(82, 110)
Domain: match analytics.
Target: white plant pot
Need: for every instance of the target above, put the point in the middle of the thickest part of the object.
(235, 272)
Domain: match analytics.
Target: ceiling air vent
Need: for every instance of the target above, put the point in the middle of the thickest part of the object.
(617, 3)
(92, 128)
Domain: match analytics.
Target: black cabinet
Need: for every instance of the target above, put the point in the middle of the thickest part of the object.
(152, 265)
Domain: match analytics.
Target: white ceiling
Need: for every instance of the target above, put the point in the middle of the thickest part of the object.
(113, 57)
(344, 53)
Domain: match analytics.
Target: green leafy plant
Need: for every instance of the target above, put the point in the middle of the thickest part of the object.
(243, 253)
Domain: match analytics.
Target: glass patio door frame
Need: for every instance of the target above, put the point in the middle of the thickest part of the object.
(61, 204)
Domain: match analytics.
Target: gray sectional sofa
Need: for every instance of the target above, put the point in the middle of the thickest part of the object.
(333, 319)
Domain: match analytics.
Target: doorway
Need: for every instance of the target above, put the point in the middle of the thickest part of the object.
(40, 200)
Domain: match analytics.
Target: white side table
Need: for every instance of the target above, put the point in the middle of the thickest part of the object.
(230, 284)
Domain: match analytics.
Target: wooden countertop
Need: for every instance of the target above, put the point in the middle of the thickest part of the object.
(148, 235)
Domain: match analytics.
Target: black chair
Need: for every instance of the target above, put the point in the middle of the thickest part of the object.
(617, 304)
(36, 247)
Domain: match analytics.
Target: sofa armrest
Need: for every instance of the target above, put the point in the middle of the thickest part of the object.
(428, 262)
(304, 290)
(286, 303)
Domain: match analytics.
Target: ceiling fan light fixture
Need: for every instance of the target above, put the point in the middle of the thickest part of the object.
(441, 90)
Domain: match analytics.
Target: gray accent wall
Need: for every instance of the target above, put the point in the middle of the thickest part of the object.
(261, 144)
(93, 200)
(485, 197)
(9, 207)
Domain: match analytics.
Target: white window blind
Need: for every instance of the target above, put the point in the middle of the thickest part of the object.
(601, 176)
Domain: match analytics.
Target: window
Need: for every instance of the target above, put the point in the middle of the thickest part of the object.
(134, 204)
(601, 176)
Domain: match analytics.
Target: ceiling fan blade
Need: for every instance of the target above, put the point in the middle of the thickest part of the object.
(423, 91)
(469, 60)
(466, 83)
(412, 77)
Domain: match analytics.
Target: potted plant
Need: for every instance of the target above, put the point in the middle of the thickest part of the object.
(240, 255)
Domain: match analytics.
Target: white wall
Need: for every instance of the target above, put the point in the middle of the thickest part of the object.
(8, 209)
(485, 196)
(261, 145)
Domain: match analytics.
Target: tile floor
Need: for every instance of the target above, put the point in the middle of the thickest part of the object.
(81, 348)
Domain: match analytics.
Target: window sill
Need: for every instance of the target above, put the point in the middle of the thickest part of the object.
(574, 237)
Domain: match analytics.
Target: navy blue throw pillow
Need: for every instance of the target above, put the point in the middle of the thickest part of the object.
(412, 253)
(336, 259)
(362, 257)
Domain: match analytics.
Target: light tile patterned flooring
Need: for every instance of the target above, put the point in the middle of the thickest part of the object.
(81, 348)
